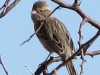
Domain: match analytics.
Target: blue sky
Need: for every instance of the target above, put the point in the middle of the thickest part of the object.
(17, 26)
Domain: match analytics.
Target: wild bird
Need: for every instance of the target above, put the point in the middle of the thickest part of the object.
(53, 35)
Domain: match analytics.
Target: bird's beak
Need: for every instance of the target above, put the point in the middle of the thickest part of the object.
(33, 12)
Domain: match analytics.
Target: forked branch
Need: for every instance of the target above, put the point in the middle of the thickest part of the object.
(6, 7)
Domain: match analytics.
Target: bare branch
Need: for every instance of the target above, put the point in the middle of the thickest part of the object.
(85, 49)
(93, 53)
(46, 63)
(79, 11)
(56, 59)
(3, 66)
(90, 42)
(83, 61)
(7, 8)
(80, 31)
(29, 70)
(32, 34)
(5, 5)
(79, 42)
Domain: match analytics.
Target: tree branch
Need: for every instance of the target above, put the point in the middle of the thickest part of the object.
(79, 43)
(79, 11)
(45, 64)
(29, 70)
(3, 66)
(7, 8)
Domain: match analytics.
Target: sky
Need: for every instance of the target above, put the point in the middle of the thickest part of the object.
(17, 26)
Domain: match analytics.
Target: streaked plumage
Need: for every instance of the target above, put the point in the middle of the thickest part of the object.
(53, 35)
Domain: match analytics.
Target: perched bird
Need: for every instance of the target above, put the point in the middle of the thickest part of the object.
(53, 35)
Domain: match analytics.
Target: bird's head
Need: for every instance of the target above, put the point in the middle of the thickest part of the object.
(40, 11)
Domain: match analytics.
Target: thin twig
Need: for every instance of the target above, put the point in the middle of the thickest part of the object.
(93, 53)
(80, 31)
(29, 70)
(85, 49)
(32, 35)
(5, 4)
(45, 64)
(83, 61)
(53, 11)
(92, 40)
(79, 43)
(3, 66)
(7, 8)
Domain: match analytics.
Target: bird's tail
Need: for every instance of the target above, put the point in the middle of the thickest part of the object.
(71, 68)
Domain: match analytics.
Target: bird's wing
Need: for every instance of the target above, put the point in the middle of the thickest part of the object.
(54, 32)
(59, 36)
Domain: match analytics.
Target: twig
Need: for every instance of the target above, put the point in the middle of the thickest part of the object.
(32, 35)
(42, 22)
(83, 61)
(53, 12)
(77, 2)
(85, 49)
(7, 8)
(80, 31)
(5, 4)
(93, 53)
(91, 41)
(46, 63)
(29, 70)
(3, 66)
(79, 42)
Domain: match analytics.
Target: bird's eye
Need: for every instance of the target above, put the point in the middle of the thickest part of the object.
(41, 10)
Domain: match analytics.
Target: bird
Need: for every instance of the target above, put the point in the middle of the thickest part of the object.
(53, 34)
